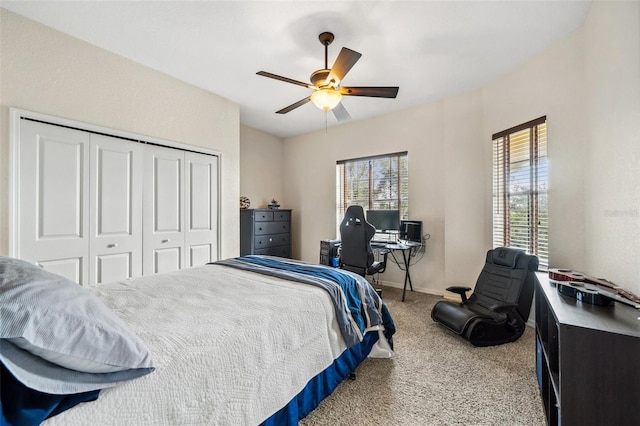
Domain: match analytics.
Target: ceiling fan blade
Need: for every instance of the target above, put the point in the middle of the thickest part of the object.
(373, 92)
(341, 112)
(294, 106)
(285, 79)
(344, 62)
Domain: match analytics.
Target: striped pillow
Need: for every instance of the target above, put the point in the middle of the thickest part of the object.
(58, 337)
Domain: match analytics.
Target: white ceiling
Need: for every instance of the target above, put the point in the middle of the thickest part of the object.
(430, 49)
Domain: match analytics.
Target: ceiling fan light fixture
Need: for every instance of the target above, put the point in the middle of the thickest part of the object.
(326, 99)
(326, 83)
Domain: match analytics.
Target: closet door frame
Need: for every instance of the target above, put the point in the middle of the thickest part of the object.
(17, 114)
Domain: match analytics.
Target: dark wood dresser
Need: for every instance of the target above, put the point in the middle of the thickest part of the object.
(588, 359)
(265, 231)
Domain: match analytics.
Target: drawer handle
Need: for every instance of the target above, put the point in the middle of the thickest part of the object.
(270, 240)
(112, 245)
(166, 241)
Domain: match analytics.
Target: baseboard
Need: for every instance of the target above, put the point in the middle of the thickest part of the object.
(433, 292)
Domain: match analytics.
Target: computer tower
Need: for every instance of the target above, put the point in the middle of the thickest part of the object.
(328, 251)
(411, 230)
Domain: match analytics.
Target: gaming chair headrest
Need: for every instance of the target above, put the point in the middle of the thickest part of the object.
(510, 257)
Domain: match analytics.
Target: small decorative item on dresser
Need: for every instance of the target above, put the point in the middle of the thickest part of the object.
(274, 205)
(244, 202)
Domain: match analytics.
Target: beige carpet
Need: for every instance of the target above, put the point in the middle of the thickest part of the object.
(436, 378)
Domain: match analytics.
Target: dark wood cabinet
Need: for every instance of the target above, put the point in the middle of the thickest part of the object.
(265, 231)
(588, 359)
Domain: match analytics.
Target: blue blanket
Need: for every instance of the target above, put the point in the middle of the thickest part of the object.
(357, 305)
(22, 406)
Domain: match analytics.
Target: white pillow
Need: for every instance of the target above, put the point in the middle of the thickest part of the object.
(58, 337)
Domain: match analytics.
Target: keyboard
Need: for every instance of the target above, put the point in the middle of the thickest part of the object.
(380, 241)
(378, 244)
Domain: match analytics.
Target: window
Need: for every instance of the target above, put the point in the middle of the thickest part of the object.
(520, 209)
(375, 183)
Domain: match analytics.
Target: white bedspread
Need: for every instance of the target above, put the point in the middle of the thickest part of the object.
(230, 348)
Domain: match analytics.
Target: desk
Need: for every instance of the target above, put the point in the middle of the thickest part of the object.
(406, 249)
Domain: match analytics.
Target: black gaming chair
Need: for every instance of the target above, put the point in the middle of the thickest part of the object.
(499, 307)
(356, 254)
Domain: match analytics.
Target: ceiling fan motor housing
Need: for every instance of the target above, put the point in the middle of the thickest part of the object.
(319, 78)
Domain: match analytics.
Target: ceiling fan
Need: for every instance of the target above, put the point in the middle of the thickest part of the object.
(325, 83)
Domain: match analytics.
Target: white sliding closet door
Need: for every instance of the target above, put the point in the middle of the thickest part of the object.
(116, 209)
(180, 209)
(163, 210)
(201, 209)
(96, 208)
(53, 199)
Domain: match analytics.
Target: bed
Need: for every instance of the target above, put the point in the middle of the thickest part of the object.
(244, 341)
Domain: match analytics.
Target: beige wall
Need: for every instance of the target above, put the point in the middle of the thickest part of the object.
(446, 185)
(550, 84)
(467, 210)
(46, 71)
(612, 121)
(449, 145)
(588, 86)
(310, 180)
(262, 160)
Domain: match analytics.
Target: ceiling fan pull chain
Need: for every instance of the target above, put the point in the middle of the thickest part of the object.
(325, 121)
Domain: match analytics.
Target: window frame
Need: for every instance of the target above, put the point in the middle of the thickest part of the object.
(532, 160)
(371, 199)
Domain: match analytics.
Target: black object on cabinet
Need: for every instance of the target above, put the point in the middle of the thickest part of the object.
(265, 231)
(587, 360)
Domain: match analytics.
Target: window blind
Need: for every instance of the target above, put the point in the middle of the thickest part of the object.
(520, 202)
(375, 183)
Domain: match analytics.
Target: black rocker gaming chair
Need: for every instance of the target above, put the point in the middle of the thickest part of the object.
(499, 307)
(356, 254)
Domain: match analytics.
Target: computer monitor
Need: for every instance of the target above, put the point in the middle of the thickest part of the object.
(411, 230)
(384, 220)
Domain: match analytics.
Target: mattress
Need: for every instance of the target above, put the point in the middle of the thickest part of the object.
(230, 348)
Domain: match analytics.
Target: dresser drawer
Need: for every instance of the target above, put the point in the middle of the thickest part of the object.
(281, 215)
(282, 251)
(262, 228)
(274, 240)
(262, 216)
